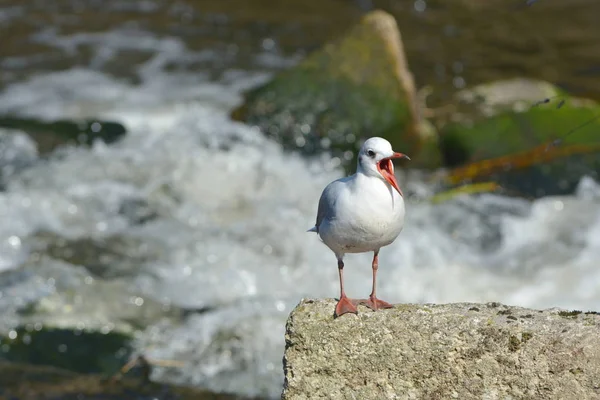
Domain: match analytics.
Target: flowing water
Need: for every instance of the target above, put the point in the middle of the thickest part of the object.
(224, 210)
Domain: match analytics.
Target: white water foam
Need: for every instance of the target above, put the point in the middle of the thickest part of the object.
(233, 210)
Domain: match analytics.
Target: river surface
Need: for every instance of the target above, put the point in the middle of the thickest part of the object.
(229, 209)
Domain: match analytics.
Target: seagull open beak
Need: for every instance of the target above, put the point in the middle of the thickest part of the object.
(386, 169)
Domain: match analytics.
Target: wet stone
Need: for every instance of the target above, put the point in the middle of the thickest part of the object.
(355, 86)
(48, 136)
(27, 382)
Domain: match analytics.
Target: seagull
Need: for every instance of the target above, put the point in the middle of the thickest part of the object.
(362, 213)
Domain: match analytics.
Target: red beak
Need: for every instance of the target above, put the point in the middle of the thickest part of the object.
(386, 169)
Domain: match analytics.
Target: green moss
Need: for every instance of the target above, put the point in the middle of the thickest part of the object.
(408, 307)
(527, 150)
(350, 89)
(301, 107)
(514, 343)
(510, 132)
(466, 189)
(30, 382)
(576, 371)
(300, 309)
(569, 314)
(78, 351)
(526, 336)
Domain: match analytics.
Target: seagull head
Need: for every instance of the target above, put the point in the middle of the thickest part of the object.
(375, 159)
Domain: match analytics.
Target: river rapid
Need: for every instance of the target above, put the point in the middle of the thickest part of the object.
(225, 210)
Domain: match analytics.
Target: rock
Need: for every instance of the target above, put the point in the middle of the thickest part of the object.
(84, 325)
(74, 350)
(537, 173)
(354, 87)
(26, 382)
(528, 136)
(50, 135)
(73, 316)
(512, 116)
(463, 351)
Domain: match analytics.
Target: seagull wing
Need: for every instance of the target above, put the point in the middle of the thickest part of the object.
(327, 203)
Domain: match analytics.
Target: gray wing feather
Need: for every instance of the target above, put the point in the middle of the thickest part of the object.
(325, 205)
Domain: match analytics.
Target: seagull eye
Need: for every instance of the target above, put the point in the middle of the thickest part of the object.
(371, 153)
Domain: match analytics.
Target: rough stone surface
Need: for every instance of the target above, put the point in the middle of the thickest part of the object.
(461, 351)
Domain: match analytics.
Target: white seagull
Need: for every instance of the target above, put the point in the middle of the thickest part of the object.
(362, 212)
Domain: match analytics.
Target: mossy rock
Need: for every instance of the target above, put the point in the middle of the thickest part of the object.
(542, 171)
(27, 382)
(75, 350)
(491, 122)
(355, 87)
(50, 135)
(528, 136)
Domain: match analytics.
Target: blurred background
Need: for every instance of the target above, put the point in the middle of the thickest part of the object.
(148, 209)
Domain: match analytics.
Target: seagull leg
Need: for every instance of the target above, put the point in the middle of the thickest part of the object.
(374, 303)
(344, 305)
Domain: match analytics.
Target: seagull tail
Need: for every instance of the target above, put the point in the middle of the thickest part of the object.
(313, 229)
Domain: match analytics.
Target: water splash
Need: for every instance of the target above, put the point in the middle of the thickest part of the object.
(230, 210)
